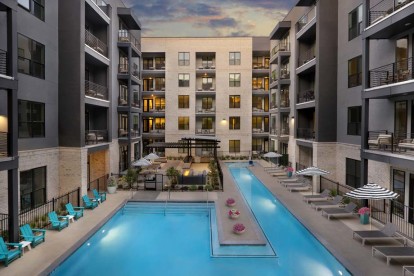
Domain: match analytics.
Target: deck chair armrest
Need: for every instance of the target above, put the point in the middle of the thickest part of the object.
(28, 236)
(55, 221)
(39, 230)
(103, 193)
(14, 244)
(78, 208)
(63, 217)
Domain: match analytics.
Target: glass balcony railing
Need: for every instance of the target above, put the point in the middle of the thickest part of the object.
(280, 47)
(126, 36)
(305, 19)
(306, 56)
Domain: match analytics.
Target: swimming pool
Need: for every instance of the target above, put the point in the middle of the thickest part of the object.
(142, 241)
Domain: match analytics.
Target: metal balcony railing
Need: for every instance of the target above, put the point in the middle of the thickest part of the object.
(305, 19)
(96, 136)
(355, 80)
(305, 133)
(284, 72)
(205, 131)
(284, 130)
(102, 5)
(126, 36)
(306, 96)
(258, 109)
(391, 73)
(385, 8)
(284, 101)
(201, 109)
(95, 43)
(273, 76)
(3, 144)
(281, 47)
(260, 130)
(96, 90)
(123, 132)
(3, 62)
(306, 56)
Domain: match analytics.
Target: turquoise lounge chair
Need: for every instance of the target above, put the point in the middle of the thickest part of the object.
(35, 236)
(89, 204)
(6, 255)
(58, 222)
(101, 196)
(76, 212)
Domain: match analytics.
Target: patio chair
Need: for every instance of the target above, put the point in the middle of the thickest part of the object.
(6, 255)
(348, 211)
(299, 188)
(35, 236)
(89, 204)
(58, 222)
(324, 196)
(101, 197)
(408, 269)
(386, 233)
(76, 212)
(335, 202)
(287, 183)
(394, 252)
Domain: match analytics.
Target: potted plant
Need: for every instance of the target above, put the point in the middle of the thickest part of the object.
(112, 184)
(289, 171)
(131, 177)
(230, 202)
(234, 213)
(239, 228)
(364, 215)
(173, 174)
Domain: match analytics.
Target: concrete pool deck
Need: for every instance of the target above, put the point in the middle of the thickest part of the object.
(336, 235)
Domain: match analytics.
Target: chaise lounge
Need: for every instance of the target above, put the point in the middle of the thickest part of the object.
(387, 233)
(6, 255)
(340, 212)
(324, 196)
(394, 252)
(335, 202)
(299, 188)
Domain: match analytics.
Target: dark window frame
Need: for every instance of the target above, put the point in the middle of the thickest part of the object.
(31, 63)
(233, 82)
(185, 125)
(183, 58)
(354, 126)
(234, 146)
(233, 103)
(234, 122)
(182, 81)
(234, 58)
(30, 122)
(356, 78)
(31, 9)
(351, 177)
(183, 101)
(28, 199)
(355, 30)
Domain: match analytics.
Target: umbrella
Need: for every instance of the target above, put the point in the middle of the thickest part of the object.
(141, 163)
(272, 154)
(311, 171)
(151, 156)
(372, 191)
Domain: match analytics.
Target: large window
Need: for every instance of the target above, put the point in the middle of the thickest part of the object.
(35, 7)
(31, 119)
(207, 123)
(183, 80)
(355, 23)
(183, 123)
(183, 58)
(234, 101)
(355, 72)
(234, 79)
(353, 173)
(207, 83)
(32, 188)
(354, 120)
(234, 146)
(234, 123)
(207, 103)
(398, 186)
(183, 101)
(31, 58)
(234, 58)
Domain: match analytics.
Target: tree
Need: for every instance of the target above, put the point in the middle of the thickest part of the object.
(173, 174)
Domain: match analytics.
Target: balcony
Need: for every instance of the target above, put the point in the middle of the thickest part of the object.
(205, 131)
(284, 100)
(305, 133)
(385, 8)
(102, 5)
(258, 110)
(123, 133)
(158, 66)
(96, 44)
(391, 73)
(306, 56)
(96, 90)
(260, 130)
(123, 69)
(306, 96)
(281, 47)
(306, 19)
(123, 101)
(284, 131)
(3, 144)
(204, 110)
(3, 62)
(96, 137)
(125, 36)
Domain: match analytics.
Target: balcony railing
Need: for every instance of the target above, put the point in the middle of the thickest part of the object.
(384, 8)
(3, 144)
(156, 131)
(3, 62)
(305, 133)
(306, 96)
(205, 131)
(391, 73)
(281, 47)
(306, 56)
(273, 76)
(260, 130)
(123, 132)
(102, 5)
(305, 19)
(123, 101)
(96, 136)
(206, 66)
(96, 91)
(284, 73)
(126, 36)
(355, 80)
(96, 44)
(124, 67)
(201, 109)
(284, 130)
(260, 66)
(284, 102)
(257, 109)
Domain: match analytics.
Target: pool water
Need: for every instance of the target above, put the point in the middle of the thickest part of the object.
(141, 240)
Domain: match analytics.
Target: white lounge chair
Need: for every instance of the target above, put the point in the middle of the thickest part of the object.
(336, 202)
(387, 233)
(324, 196)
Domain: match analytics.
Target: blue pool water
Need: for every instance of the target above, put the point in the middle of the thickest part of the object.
(140, 240)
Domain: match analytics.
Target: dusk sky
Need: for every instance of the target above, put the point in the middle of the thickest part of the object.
(209, 18)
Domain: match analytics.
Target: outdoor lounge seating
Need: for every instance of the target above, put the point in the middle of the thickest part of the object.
(325, 195)
(406, 144)
(340, 212)
(299, 188)
(58, 222)
(386, 233)
(76, 212)
(292, 183)
(6, 255)
(383, 140)
(335, 202)
(89, 204)
(35, 236)
(408, 269)
(101, 197)
(394, 252)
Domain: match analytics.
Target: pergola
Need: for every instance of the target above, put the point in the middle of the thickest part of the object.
(189, 142)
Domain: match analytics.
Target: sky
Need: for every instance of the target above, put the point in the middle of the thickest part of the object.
(184, 18)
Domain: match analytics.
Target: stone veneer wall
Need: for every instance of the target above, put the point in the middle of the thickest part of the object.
(324, 157)
(114, 157)
(3, 192)
(73, 169)
(345, 151)
(379, 173)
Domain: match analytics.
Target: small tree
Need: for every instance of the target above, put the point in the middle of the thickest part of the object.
(173, 174)
(131, 177)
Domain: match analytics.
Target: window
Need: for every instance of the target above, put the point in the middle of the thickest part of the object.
(355, 72)
(183, 101)
(183, 58)
(257, 124)
(234, 146)
(234, 101)
(159, 123)
(32, 188)
(234, 79)
(207, 123)
(183, 80)
(353, 173)
(234, 123)
(35, 7)
(207, 103)
(31, 119)
(207, 62)
(160, 104)
(137, 149)
(31, 57)
(355, 23)
(398, 186)
(207, 83)
(354, 120)
(183, 123)
(234, 58)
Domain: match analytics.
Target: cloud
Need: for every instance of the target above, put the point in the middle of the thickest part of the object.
(223, 22)
(202, 9)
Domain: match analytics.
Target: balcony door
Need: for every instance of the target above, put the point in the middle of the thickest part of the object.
(400, 120)
(411, 199)
(401, 54)
(147, 124)
(148, 104)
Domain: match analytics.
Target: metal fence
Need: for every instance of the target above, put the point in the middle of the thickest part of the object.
(96, 90)
(399, 71)
(100, 184)
(3, 62)
(384, 8)
(95, 43)
(3, 144)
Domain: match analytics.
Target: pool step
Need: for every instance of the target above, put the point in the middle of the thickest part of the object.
(171, 208)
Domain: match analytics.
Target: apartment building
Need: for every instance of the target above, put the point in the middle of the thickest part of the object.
(206, 86)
